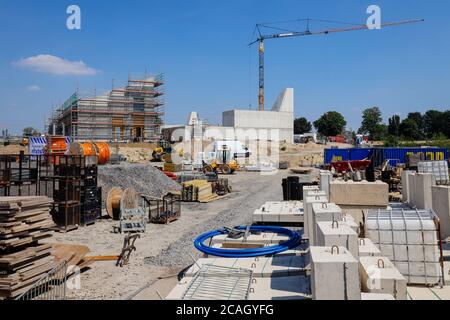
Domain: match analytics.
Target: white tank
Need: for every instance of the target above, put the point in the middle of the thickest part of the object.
(409, 238)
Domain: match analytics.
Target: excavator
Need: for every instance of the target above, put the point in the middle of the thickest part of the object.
(163, 148)
(223, 163)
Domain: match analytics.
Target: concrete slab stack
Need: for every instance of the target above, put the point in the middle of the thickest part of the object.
(337, 233)
(322, 212)
(261, 239)
(334, 274)
(441, 206)
(286, 212)
(379, 275)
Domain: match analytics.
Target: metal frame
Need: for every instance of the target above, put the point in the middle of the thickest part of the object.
(419, 214)
(219, 283)
(52, 286)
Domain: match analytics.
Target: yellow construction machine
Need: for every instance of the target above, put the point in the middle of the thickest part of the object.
(223, 163)
(163, 148)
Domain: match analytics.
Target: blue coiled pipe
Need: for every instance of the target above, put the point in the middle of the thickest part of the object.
(294, 241)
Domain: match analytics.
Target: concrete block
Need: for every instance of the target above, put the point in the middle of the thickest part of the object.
(359, 193)
(441, 206)
(323, 212)
(263, 239)
(263, 267)
(307, 189)
(376, 296)
(302, 249)
(339, 234)
(326, 177)
(421, 197)
(427, 293)
(280, 288)
(289, 212)
(367, 248)
(406, 190)
(379, 275)
(308, 218)
(351, 222)
(358, 212)
(334, 274)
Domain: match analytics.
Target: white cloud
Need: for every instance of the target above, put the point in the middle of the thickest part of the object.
(33, 88)
(55, 65)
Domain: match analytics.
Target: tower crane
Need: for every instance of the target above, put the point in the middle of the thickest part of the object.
(287, 34)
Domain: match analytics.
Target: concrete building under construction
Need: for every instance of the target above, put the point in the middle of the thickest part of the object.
(131, 113)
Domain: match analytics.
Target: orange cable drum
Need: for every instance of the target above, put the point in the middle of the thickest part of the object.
(103, 152)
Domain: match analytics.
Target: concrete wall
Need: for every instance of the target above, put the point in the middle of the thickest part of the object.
(280, 118)
(420, 190)
(441, 206)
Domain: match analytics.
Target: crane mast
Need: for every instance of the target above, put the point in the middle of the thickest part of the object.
(261, 49)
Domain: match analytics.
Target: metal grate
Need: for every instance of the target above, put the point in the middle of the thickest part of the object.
(438, 168)
(52, 286)
(219, 283)
(398, 224)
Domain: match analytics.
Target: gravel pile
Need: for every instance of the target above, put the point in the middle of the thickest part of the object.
(145, 178)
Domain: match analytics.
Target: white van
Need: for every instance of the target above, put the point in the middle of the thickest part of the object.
(238, 150)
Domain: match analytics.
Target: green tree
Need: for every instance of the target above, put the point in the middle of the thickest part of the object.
(434, 123)
(302, 125)
(446, 119)
(417, 118)
(394, 124)
(380, 132)
(409, 129)
(372, 122)
(30, 132)
(330, 124)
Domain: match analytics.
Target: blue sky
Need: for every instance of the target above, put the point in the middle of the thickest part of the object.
(201, 47)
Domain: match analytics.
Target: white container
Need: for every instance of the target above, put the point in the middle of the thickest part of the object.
(334, 274)
(409, 239)
(379, 275)
(323, 212)
(337, 233)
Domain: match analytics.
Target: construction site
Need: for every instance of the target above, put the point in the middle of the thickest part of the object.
(113, 202)
(132, 113)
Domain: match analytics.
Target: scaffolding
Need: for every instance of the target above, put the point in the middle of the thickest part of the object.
(133, 113)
